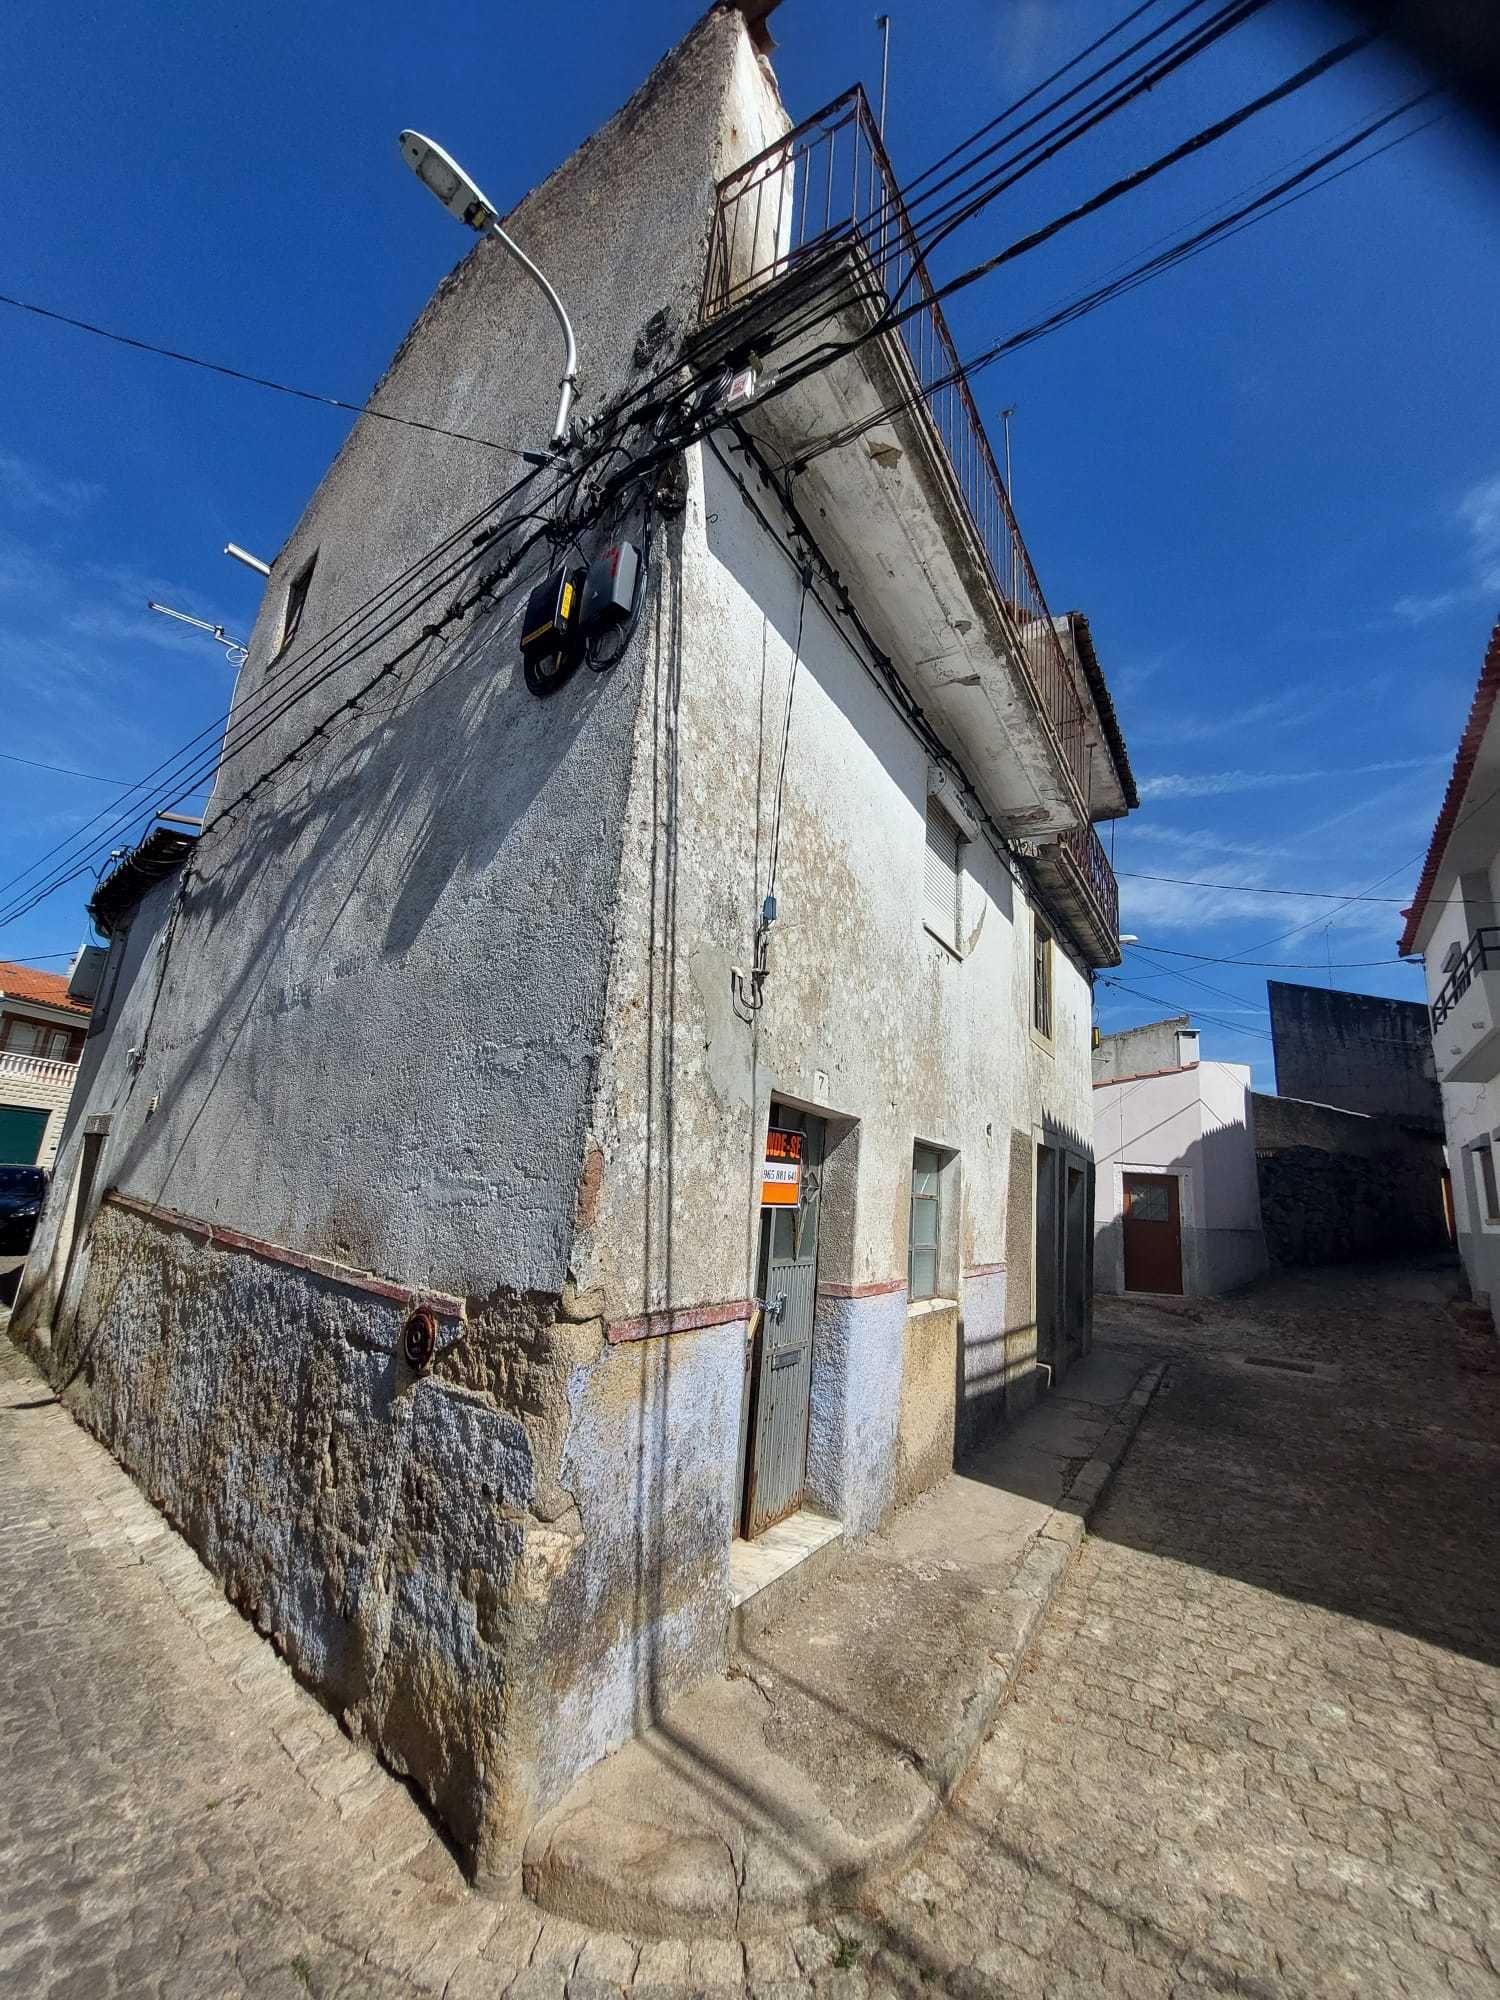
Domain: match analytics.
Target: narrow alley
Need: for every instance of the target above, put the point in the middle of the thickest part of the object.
(1257, 1750)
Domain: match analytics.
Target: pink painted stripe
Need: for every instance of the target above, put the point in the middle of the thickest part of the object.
(985, 1271)
(879, 1290)
(221, 1238)
(677, 1319)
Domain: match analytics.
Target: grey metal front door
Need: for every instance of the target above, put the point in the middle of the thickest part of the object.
(787, 1277)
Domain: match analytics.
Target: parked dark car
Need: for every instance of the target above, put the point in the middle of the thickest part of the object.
(23, 1193)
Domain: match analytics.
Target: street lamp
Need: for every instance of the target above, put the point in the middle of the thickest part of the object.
(442, 176)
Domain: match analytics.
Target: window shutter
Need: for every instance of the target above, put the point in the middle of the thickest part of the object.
(942, 879)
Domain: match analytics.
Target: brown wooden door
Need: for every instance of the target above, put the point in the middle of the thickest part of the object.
(1153, 1234)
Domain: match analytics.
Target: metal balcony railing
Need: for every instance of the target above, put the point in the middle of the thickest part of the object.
(1482, 954)
(827, 187)
(1086, 852)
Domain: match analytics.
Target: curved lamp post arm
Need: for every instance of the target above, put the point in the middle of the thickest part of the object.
(444, 178)
(569, 382)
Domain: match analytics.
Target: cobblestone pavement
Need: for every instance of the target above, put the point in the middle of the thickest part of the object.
(1256, 1752)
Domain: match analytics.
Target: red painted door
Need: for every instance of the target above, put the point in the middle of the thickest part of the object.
(1153, 1234)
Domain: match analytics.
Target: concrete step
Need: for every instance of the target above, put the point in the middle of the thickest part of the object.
(784, 1788)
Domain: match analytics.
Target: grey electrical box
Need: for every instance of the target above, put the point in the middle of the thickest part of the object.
(609, 589)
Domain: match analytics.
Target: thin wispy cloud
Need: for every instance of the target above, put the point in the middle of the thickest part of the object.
(1025, 34)
(1292, 710)
(1477, 516)
(27, 486)
(1215, 784)
(1196, 845)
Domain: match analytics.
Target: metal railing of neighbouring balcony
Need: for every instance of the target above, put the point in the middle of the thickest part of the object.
(827, 187)
(1086, 851)
(1482, 954)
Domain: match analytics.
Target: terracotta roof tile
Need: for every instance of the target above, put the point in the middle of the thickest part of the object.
(1458, 784)
(50, 989)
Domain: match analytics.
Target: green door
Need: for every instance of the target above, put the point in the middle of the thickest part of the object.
(21, 1131)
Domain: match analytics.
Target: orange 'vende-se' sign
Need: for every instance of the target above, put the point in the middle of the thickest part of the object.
(781, 1178)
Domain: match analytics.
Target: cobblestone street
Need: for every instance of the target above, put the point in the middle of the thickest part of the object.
(1257, 1750)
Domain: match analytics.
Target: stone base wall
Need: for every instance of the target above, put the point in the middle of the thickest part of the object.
(1337, 1188)
(496, 1570)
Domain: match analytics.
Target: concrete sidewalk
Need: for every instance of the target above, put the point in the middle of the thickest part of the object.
(816, 1764)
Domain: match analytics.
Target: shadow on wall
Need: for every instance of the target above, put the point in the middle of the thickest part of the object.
(1223, 1247)
(1338, 1188)
(459, 780)
(431, 783)
(1037, 1310)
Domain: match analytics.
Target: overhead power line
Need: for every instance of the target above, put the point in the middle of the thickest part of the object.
(242, 375)
(1175, 972)
(1250, 888)
(1030, 96)
(180, 772)
(1160, 1000)
(1324, 917)
(891, 243)
(62, 770)
(1023, 245)
(1267, 203)
(1282, 965)
(967, 202)
(202, 753)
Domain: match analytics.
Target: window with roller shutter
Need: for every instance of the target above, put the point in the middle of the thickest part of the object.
(943, 886)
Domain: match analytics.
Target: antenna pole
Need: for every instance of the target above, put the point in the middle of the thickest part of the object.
(883, 23)
(1015, 580)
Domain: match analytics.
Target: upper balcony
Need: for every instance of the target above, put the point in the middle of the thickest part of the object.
(1466, 1014)
(1080, 884)
(812, 257)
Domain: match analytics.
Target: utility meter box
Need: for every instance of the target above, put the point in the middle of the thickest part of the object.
(551, 614)
(609, 589)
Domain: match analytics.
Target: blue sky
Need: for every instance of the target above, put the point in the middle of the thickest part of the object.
(1272, 479)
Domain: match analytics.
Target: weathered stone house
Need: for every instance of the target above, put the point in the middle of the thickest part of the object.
(476, 1218)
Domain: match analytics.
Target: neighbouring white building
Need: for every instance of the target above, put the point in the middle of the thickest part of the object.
(560, 1119)
(1177, 1201)
(1454, 922)
(43, 1021)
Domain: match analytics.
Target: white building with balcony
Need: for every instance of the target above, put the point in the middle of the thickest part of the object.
(536, 1146)
(42, 1027)
(1454, 922)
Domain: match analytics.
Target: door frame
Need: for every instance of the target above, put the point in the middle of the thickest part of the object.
(756, 1342)
(1187, 1220)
